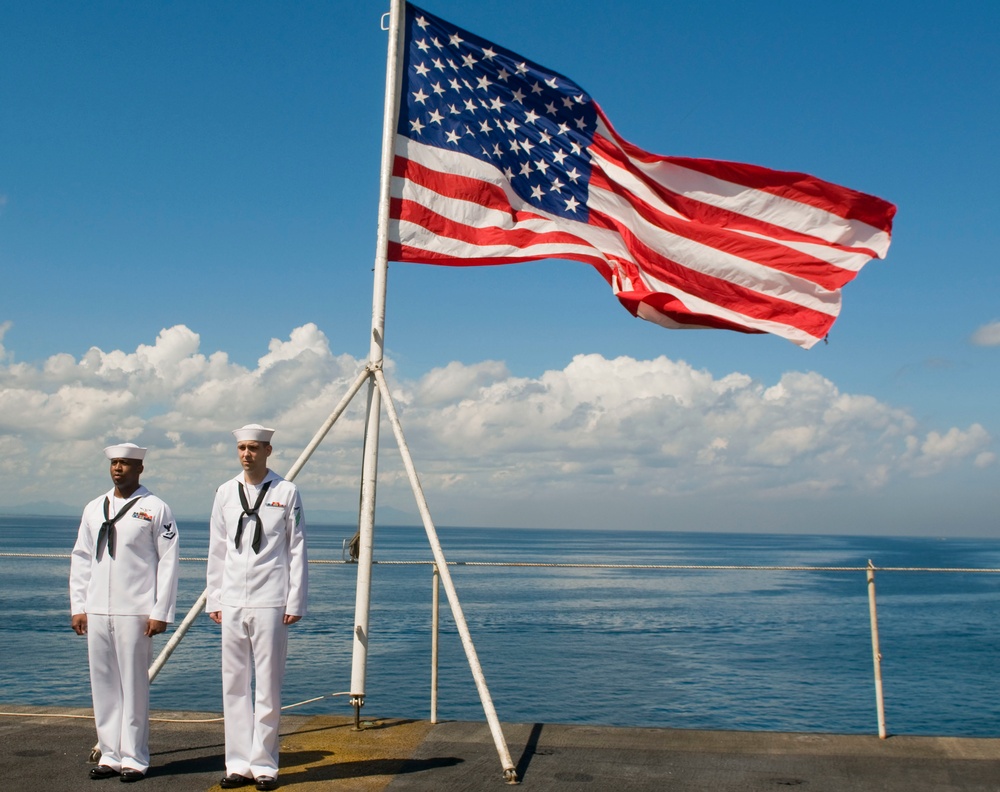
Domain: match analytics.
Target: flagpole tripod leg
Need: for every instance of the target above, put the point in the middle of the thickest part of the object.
(509, 772)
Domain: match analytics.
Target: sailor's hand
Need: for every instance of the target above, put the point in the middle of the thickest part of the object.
(79, 623)
(155, 627)
(289, 619)
(215, 616)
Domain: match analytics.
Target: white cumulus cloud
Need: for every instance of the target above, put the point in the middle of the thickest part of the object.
(987, 335)
(602, 430)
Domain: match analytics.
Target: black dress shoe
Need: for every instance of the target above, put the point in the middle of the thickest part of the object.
(266, 782)
(129, 775)
(234, 780)
(102, 771)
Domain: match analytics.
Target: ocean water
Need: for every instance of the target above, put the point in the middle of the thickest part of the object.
(745, 649)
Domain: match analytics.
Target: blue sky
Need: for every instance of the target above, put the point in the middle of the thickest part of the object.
(211, 170)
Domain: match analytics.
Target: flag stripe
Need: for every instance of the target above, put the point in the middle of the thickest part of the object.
(701, 195)
(750, 248)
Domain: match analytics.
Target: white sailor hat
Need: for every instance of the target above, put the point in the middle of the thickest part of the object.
(253, 432)
(125, 451)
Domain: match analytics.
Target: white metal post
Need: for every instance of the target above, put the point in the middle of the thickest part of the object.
(509, 771)
(369, 468)
(876, 652)
(435, 632)
(366, 529)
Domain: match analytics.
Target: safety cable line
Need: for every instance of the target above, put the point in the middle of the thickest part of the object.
(218, 719)
(563, 565)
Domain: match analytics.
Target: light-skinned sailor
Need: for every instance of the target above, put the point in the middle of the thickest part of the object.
(257, 586)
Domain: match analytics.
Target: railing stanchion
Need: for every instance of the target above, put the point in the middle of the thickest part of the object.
(876, 653)
(435, 625)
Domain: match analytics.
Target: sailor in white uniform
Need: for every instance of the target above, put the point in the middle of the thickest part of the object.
(123, 587)
(257, 586)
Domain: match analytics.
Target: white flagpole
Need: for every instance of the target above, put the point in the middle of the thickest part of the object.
(369, 468)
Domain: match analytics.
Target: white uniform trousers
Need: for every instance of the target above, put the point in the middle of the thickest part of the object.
(253, 640)
(120, 655)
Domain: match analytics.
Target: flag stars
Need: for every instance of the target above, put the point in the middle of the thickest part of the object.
(421, 22)
(528, 123)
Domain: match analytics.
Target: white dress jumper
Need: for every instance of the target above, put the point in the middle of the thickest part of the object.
(254, 589)
(121, 582)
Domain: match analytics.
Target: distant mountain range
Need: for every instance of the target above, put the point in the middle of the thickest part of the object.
(384, 515)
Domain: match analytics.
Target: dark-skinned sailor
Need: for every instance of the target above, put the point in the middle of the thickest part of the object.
(123, 588)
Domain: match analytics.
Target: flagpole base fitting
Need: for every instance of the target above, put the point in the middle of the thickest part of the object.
(357, 702)
(95, 755)
(510, 776)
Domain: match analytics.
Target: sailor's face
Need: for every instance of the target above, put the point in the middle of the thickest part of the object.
(253, 455)
(125, 474)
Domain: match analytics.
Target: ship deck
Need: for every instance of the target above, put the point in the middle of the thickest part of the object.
(48, 749)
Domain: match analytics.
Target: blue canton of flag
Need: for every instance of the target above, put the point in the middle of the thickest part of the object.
(462, 93)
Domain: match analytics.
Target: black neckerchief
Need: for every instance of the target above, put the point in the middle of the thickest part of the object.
(107, 532)
(248, 512)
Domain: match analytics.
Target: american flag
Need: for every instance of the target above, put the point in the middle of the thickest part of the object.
(500, 160)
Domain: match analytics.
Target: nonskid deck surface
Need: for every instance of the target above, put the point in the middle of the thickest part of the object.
(43, 750)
